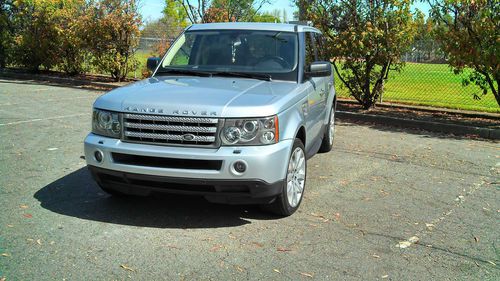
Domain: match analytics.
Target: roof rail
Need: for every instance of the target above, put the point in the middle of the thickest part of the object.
(301, 22)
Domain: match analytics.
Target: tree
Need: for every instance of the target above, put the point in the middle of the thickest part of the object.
(174, 14)
(469, 34)
(72, 49)
(7, 10)
(222, 10)
(36, 38)
(112, 33)
(366, 39)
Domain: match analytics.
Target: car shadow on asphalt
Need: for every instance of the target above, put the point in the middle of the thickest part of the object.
(77, 195)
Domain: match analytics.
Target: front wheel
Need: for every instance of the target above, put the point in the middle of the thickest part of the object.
(293, 188)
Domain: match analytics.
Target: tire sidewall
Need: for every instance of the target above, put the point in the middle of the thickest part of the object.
(284, 196)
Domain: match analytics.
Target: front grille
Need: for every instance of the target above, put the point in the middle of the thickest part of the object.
(162, 162)
(158, 129)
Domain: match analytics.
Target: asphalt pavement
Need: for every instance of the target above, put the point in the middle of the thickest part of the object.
(385, 204)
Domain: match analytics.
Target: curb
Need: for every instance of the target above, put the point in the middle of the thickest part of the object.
(60, 80)
(467, 113)
(455, 129)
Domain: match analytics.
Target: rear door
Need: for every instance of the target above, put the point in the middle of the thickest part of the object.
(316, 94)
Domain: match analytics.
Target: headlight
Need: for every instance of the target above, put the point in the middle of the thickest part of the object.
(106, 123)
(255, 131)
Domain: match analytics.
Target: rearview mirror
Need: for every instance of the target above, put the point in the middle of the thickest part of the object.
(153, 63)
(319, 69)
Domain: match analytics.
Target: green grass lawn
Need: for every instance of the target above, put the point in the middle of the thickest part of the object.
(418, 83)
(432, 85)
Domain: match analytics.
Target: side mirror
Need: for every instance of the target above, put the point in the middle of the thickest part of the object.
(153, 63)
(319, 69)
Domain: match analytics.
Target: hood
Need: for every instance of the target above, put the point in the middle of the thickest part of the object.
(200, 96)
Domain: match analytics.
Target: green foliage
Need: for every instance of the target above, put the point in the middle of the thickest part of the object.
(72, 49)
(112, 33)
(68, 34)
(221, 10)
(174, 14)
(36, 40)
(366, 39)
(469, 33)
(6, 30)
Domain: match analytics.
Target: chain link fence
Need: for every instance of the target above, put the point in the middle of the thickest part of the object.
(427, 80)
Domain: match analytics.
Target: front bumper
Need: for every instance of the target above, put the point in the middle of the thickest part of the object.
(266, 165)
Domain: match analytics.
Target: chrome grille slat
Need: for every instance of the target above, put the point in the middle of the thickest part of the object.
(168, 137)
(172, 118)
(170, 130)
(175, 128)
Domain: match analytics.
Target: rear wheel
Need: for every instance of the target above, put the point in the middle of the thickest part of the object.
(327, 143)
(293, 188)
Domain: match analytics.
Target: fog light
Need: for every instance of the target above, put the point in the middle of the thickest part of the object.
(240, 166)
(98, 156)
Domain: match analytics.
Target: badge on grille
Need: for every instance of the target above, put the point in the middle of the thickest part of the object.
(188, 137)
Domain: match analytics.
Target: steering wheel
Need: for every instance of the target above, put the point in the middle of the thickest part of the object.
(277, 59)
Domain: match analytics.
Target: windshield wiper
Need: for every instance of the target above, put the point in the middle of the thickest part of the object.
(259, 76)
(184, 71)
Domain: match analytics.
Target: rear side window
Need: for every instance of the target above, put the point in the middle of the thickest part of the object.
(310, 51)
(319, 41)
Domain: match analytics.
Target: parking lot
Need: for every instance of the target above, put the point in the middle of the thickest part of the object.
(385, 204)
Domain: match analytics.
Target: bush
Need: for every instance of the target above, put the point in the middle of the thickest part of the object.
(113, 34)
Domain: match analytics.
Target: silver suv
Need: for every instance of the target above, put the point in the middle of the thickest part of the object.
(231, 113)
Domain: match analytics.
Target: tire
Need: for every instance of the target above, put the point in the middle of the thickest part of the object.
(327, 143)
(295, 181)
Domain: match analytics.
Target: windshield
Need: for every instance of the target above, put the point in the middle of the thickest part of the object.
(252, 52)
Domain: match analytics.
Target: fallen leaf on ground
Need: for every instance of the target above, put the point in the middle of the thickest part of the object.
(403, 244)
(39, 241)
(23, 206)
(10, 225)
(280, 249)
(375, 256)
(276, 270)
(52, 148)
(5, 255)
(413, 239)
(320, 216)
(310, 275)
(232, 236)
(476, 239)
(126, 267)
(337, 216)
(385, 276)
(215, 248)
(260, 245)
(28, 216)
(239, 268)
(492, 263)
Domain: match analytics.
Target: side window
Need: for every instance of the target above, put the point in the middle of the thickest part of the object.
(310, 51)
(319, 41)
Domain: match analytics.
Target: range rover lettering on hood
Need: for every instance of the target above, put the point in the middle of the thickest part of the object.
(173, 112)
